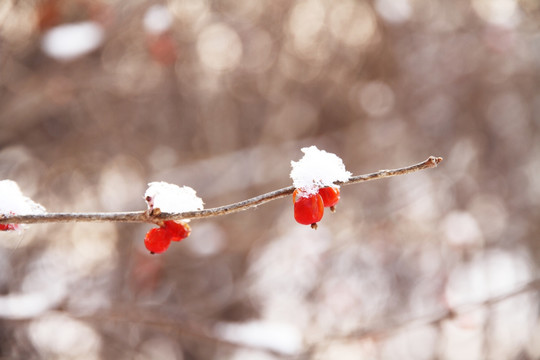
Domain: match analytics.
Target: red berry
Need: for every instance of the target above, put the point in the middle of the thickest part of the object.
(308, 208)
(330, 196)
(7, 227)
(177, 230)
(157, 240)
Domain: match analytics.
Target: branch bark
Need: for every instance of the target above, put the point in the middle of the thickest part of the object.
(144, 216)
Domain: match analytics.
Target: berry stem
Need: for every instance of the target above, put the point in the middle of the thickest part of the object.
(147, 217)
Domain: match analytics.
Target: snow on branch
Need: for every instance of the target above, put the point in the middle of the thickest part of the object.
(156, 217)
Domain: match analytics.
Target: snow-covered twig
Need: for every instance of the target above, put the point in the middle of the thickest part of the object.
(148, 217)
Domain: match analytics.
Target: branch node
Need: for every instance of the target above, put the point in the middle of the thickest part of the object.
(435, 160)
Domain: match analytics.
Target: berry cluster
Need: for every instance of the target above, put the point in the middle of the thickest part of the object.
(314, 177)
(7, 227)
(157, 240)
(165, 197)
(309, 208)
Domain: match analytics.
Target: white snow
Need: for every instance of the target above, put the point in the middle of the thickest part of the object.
(172, 198)
(70, 41)
(157, 19)
(12, 201)
(317, 169)
(283, 338)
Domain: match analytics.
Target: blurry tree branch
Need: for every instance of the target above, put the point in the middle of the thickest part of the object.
(450, 313)
(145, 216)
(206, 335)
(181, 329)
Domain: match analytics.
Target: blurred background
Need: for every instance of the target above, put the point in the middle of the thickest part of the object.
(100, 97)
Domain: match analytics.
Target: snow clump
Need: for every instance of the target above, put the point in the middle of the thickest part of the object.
(13, 202)
(171, 198)
(317, 169)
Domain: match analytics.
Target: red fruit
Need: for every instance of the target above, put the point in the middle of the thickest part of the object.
(157, 240)
(308, 208)
(6, 227)
(330, 196)
(177, 230)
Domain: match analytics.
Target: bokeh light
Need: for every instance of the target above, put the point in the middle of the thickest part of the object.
(99, 98)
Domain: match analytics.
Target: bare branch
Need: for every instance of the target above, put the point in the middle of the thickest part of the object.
(391, 327)
(182, 329)
(387, 329)
(144, 216)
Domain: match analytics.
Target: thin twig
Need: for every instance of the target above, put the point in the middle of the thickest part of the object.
(144, 216)
(391, 327)
(180, 328)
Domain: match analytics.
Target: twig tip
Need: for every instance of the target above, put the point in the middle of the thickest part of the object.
(435, 160)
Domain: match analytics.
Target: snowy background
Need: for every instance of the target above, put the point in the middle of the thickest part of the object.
(100, 97)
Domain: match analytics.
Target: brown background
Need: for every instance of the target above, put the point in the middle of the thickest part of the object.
(223, 102)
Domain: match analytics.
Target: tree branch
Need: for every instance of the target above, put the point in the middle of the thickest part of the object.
(390, 327)
(387, 329)
(144, 216)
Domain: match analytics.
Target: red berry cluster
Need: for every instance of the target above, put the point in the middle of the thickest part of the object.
(157, 240)
(7, 227)
(309, 208)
